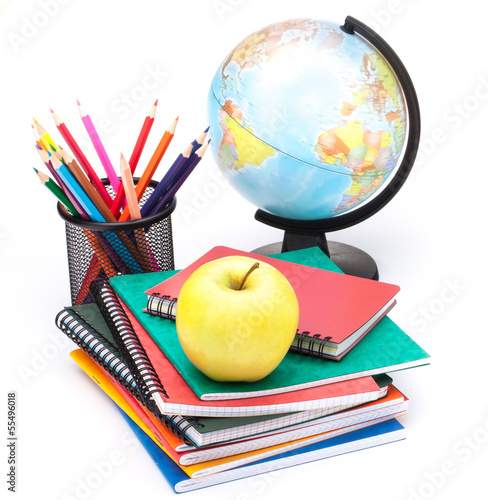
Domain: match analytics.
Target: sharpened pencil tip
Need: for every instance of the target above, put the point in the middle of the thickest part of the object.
(78, 102)
(35, 121)
(156, 102)
(207, 129)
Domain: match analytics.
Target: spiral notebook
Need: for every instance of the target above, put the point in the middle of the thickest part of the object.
(386, 348)
(173, 396)
(375, 435)
(392, 405)
(191, 431)
(336, 310)
(202, 462)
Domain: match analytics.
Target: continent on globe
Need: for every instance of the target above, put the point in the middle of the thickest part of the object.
(264, 44)
(236, 150)
(307, 121)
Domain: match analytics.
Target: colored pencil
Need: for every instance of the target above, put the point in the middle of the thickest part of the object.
(36, 133)
(103, 259)
(132, 203)
(99, 254)
(81, 158)
(57, 191)
(130, 192)
(77, 190)
(120, 242)
(143, 135)
(108, 241)
(84, 182)
(97, 143)
(93, 272)
(178, 182)
(44, 138)
(115, 240)
(45, 157)
(198, 142)
(88, 201)
(136, 155)
(172, 173)
(151, 167)
(167, 180)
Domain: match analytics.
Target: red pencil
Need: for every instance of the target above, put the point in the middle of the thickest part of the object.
(136, 155)
(143, 135)
(151, 167)
(82, 160)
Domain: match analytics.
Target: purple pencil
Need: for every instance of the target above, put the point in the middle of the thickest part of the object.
(178, 182)
(167, 180)
(45, 159)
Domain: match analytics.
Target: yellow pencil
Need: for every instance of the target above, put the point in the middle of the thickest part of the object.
(44, 138)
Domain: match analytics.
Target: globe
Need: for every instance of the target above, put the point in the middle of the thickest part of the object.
(308, 122)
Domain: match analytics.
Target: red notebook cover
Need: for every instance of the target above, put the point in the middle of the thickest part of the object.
(180, 394)
(332, 305)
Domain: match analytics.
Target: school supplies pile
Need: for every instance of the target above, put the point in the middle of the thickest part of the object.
(202, 432)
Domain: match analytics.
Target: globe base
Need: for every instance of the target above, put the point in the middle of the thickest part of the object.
(349, 259)
(306, 234)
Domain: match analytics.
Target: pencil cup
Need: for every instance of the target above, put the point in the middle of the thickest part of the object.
(102, 250)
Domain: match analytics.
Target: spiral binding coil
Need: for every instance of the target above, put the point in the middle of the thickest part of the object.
(161, 305)
(304, 343)
(101, 350)
(315, 346)
(108, 356)
(127, 341)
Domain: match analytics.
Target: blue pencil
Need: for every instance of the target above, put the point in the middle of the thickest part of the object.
(77, 191)
(93, 212)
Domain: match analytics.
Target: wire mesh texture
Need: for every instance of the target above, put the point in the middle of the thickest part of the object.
(103, 250)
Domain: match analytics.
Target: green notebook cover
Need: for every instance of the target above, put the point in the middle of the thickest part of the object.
(386, 348)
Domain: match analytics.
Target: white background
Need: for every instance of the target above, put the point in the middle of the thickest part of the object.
(429, 239)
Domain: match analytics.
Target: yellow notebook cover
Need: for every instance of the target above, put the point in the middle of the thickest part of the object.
(91, 368)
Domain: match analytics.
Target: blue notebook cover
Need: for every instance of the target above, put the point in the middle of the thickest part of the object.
(368, 437)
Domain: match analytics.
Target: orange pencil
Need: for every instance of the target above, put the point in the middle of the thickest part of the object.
(151, 167)
(130, 192)
(133, 205)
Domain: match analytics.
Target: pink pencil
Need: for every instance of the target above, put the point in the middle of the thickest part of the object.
(97, 143)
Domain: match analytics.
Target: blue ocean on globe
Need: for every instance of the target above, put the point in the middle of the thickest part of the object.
(307, 122)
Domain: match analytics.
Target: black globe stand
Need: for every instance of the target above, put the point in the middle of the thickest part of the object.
(304, 234)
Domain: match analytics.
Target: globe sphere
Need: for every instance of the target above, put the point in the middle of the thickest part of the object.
(307, 121)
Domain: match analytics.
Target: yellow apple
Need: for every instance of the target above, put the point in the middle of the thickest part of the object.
(236, 318)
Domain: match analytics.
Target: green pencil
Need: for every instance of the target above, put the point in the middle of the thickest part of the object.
(57, 191)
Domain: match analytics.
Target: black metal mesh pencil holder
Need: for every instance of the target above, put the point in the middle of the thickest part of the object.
(102, 250)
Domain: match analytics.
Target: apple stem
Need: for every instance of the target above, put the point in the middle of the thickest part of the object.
(253, 267)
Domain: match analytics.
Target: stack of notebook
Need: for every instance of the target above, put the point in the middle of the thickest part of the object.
(330, 395)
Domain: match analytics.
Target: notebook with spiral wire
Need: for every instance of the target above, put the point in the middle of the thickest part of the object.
(336, 310)
(162, 388)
